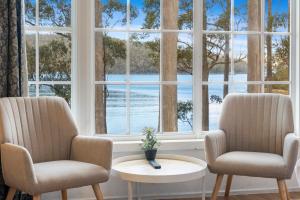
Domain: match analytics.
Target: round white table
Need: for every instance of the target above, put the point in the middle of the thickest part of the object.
(174, 168)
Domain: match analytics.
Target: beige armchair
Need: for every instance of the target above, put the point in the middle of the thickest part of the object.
(42, 152)
(255, 139)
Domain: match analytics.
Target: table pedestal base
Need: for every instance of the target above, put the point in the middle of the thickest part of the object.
(138, 190)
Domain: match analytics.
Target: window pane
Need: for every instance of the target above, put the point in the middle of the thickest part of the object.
(213, 95)
(110, 56)
(56, 90)
(30, 53)
(277, 58)
(55, 56)
(177, 57)
(277, 15)
(247, 62)
(216, 15)
(185, 108)
(30, 6)
(184, 57)
(55, 13)
(144, 107)
(216, 58)
(281, 89)
(32, 90)
(185, 16)
(110, 13)
(180, 17)
(110, 109)
(145, 14)
(247, 15)
(144, 56)
(245, 88)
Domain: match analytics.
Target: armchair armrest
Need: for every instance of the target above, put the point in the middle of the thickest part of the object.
(290, 151)
(92, 150)
(215, 145)
(17, 166)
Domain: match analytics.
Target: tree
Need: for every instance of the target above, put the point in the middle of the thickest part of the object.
(100, 90)
(254, 50)
(169, 70)
(269, 45)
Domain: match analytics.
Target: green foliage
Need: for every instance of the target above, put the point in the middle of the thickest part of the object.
(184, 112)
(150, 142)
(152, 19)
(114, 53)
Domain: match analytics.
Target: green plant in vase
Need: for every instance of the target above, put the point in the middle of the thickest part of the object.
(150, 143)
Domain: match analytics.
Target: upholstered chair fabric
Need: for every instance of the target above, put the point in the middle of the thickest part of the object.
(41, 150)
(43, 125)
(256, 137)
(256, 122)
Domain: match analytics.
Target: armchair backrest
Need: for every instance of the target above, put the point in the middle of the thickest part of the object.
(256, 122)
(43, 125)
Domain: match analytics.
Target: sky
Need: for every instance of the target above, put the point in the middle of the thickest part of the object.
(239, 41)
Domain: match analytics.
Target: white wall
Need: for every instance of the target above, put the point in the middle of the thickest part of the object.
(117, 189)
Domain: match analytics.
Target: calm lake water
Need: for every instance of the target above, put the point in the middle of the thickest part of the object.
(144, 102)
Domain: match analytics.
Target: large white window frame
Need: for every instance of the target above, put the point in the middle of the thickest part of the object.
(83, 78)
(36, 29)
(197, 82)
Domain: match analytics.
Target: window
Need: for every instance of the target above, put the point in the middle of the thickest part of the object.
(49, 47)
(167, 64)
(150, 54)
(143, 66)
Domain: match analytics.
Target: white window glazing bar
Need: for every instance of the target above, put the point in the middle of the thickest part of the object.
(93, 70)
(49, 29)
(197, 65)
(37, 59)
(128, 68)
(262, 42)
(231, 54)
(161, 129)
(73, 55)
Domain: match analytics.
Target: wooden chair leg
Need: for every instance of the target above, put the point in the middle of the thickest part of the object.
(98, 192)
(217, 186)
(64, 195)
(11, 194)
(228, 185)
(287, 191)
(282, 189)
(36, 197)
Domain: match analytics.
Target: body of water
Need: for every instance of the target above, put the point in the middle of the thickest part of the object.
(144, 102)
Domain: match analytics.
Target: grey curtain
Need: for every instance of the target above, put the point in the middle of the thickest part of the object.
(13, 70)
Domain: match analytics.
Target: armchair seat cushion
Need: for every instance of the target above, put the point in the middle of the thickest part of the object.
(58, 175)
(254, 164)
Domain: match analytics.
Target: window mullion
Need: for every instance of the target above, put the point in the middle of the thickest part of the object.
(262, 43)
(197, 65)
(161, 67)
(231, 54)
(127, 79)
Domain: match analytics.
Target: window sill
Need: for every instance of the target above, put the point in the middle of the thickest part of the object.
(168, 142)
(165, 145)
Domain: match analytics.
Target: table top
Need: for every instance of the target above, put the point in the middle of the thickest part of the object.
(174, 168)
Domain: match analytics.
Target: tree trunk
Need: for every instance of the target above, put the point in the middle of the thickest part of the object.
(226, 53)
(169, 66)
(269, 47)
(100, 90)
(254, 50)
(205, 73)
